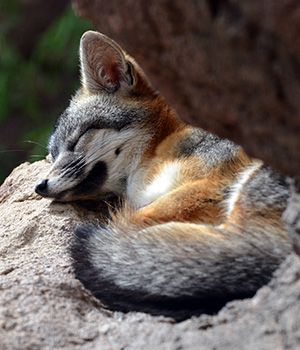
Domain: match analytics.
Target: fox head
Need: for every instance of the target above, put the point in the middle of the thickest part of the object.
(109, 124)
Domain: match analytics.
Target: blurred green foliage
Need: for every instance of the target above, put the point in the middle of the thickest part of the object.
(35, 90)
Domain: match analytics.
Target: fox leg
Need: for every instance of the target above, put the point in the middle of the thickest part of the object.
(198, 201)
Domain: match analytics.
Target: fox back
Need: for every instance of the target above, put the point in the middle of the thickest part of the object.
(200, 221)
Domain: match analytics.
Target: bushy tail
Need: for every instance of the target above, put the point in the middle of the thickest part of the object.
(175, 269)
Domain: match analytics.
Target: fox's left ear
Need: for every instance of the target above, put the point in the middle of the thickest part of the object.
(103, 64)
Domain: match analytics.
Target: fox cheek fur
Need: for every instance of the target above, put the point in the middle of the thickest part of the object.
(201, 221)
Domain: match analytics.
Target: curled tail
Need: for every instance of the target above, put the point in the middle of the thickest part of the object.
(175, 269)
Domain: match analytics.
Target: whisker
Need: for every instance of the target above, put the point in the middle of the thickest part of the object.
(102, 146)
(35, 143)
(12, 150)
(97, 157)
(73, 163)
(83, 160)
(76, 165)
(90, 160)
(73, 166)
(37, 155)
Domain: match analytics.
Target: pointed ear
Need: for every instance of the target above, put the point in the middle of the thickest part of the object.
(103, 64)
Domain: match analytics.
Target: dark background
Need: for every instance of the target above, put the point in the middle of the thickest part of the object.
(38, 73)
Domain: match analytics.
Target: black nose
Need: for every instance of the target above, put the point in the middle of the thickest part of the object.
(41, 188)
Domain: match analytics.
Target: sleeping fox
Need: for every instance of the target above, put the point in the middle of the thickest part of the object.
(200, 221)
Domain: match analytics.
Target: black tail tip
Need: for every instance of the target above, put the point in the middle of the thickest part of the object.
(81, 244)
(83, 231)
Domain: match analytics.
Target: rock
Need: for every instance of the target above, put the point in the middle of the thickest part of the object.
(231, 67)
(42, 306)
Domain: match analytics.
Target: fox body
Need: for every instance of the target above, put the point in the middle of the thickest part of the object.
(200, 221)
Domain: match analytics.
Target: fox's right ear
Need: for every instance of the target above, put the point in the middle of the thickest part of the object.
(103, 64)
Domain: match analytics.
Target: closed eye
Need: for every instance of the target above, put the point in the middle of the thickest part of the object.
(72, 144)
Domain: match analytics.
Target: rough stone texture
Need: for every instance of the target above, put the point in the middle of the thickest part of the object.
(230, 66)
(42, 306)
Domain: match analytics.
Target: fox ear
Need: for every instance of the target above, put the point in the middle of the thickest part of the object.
(103, 64)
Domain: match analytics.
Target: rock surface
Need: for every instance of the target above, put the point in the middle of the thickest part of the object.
(230, 66)
(42, 306)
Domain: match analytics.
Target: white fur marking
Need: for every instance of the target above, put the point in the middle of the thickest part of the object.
(164, 182)
(238, 186)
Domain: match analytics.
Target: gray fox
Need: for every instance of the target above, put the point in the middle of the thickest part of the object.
(199, 222)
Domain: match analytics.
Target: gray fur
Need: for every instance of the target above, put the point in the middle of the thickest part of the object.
(209, 147)
(267, 190)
